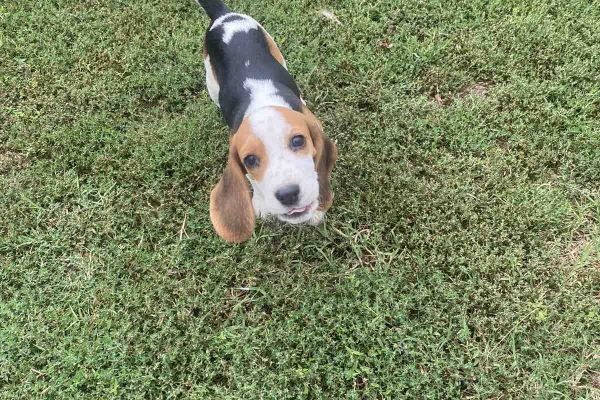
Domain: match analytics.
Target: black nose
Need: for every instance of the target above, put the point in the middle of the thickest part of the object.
(288, 196)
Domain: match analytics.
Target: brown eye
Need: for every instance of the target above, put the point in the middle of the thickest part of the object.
(297, 142)
(251, 162)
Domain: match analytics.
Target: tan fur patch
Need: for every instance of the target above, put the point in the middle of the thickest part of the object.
(231, 210)
(248, 143)
(299, 127)
(274, 49)
(325, 158)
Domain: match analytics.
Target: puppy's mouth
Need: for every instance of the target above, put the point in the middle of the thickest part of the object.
(297, 213)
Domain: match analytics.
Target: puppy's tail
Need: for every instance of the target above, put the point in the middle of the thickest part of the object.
(214, 8)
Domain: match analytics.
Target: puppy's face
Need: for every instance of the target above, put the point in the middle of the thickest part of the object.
(289, 162)
(276, 148)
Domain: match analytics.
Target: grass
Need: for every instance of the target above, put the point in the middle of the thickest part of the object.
(461, 258)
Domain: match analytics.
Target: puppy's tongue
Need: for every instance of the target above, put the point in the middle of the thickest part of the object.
(297, 210)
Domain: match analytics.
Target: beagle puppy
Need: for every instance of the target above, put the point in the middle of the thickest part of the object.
(276, 141)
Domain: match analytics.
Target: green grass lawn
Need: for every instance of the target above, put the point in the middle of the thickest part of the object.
(461, 258)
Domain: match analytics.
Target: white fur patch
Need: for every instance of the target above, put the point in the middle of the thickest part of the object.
(236, 26)
(230, 28)
(222, 18)
(263, 94)
(211, 82)
(247, 63)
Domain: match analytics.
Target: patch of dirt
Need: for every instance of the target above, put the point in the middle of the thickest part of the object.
(477, 90)
(587, 379)
(596, 380)
(581, 256)
(442, 101)
(575, 249)
(502, 142)
(11, 161)
(384, 44)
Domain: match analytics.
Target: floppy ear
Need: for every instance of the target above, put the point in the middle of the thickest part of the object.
(325, 157)
(231, 209)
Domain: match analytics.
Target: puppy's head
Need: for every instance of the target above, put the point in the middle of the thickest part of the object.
(288, 160)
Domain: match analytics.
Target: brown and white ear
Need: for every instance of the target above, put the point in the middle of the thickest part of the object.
(231, 210)
(325, 157)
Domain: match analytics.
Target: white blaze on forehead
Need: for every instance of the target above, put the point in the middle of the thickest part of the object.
(230, 28)
(263, 93)
(270, 126)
